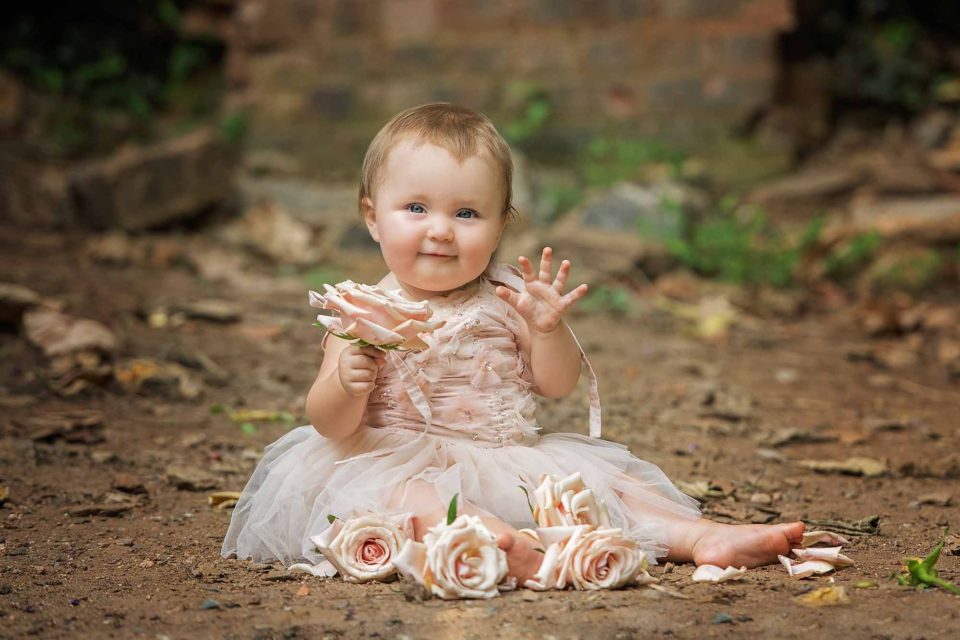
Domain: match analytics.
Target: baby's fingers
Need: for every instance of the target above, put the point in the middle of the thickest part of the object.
(509, 295)
(569, 299)
(374, 353)
(562, 276)
(526, 269)
(546, 264)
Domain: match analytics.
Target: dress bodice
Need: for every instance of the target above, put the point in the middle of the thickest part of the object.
(472, 382)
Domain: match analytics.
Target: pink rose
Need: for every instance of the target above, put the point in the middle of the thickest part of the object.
(457, 560)
(587, 559)
(364, 548)
(374, 316)
(567, 503)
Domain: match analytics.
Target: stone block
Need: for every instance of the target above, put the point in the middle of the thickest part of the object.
(33, 194)
(265, 24)
(699, 10)
(143, 187)
(335, 102)
(351, 17)
(408, 20)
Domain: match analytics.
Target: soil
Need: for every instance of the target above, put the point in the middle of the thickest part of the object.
(712, 410)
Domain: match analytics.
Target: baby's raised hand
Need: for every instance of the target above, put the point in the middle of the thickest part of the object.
(542, 303)
(358, 368)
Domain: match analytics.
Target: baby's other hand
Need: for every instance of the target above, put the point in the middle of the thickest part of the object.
(358, 368)
(543, 303)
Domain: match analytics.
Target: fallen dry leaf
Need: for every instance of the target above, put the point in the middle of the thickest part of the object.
(700, 489)
(78, 426)
(865, 526)
(940, 499)
(59, 334)
(824, 597)
(166, 378)
(220, 500)
(856, 466)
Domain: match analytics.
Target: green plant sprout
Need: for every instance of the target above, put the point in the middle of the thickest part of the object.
(921, 572)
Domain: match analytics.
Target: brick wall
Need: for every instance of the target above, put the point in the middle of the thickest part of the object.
(318, 77)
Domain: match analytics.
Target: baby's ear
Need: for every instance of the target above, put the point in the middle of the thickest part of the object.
(370, 218)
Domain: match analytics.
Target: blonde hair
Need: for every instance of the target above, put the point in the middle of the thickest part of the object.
(461, 131)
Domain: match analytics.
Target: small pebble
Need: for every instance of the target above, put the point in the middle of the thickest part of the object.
(722, 618)
(210, 603)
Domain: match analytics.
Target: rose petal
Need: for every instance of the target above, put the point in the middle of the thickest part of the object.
(547, 577)
(373, 333)
(321, 570)
(331, 323)
(340, 304)
(827, 554)
(805, 569)
(811, 538)
(713, 573)
(412, 560)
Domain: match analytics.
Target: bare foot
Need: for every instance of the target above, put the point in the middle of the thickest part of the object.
(523, 560)
(745, 544)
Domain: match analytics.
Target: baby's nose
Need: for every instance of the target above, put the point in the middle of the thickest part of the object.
(440, 230)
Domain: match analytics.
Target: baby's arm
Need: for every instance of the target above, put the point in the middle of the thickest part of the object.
(554, 354)
(338, 398)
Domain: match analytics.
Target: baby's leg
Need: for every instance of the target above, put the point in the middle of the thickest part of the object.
(706, 542)
(421, 499)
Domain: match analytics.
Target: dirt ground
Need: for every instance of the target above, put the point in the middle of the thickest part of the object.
(740, 412)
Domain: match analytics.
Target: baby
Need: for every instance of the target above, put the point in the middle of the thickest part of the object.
(405, 431)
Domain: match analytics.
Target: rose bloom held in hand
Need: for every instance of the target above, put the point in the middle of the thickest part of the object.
(438, 221)
(373, 315)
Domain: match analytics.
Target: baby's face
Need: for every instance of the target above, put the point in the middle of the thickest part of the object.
(438, 221)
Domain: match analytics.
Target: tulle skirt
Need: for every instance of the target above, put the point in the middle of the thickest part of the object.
(303, 478)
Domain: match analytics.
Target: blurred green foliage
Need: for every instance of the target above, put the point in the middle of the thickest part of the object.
(852, 256)
(741, 245)
(912, 273)
(607, 300)
(531, 122)
(606, 161)
(559, 199)
(105, 69)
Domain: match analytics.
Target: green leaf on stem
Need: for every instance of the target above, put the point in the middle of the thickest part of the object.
(452, 509)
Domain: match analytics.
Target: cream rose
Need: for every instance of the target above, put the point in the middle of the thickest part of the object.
(588, 559)
(459, 560)
(364, 548)
(568, 503)
(374, 316)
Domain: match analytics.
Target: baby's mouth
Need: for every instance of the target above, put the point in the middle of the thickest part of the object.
(437, 255)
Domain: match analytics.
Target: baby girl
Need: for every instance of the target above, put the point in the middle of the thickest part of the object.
(406, 431)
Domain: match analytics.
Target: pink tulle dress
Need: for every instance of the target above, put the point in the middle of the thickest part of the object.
(456, 418)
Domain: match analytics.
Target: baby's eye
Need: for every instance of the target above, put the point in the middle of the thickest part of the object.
(416, 208)
(466, 213)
